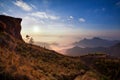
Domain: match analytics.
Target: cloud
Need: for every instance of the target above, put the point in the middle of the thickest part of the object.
(82, 20)
(42, 22)
(31, 21)
(22, 5)
(44, 15)
(4, 13)
(53, 17)
(71, 17)
(41, 15)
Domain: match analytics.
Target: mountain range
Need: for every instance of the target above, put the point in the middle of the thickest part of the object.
(95, 45)
(95, 42)
(78, 51)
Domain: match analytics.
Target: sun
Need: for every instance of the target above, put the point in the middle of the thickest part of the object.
(36, 29)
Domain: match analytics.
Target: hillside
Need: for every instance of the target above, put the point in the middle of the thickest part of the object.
(29, 62)
(114, 50)
(23, 61)
(104, 64)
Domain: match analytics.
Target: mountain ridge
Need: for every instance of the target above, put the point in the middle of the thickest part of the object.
(78, 51)
(95, 42)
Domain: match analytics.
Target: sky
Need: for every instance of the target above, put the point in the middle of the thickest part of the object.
(62, 22)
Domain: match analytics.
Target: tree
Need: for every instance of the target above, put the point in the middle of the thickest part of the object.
(31, 41)
(27, 36)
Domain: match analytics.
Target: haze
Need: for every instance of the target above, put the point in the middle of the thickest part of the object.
(59, 23)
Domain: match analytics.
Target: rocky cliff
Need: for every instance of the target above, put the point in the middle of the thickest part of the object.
(11, 26)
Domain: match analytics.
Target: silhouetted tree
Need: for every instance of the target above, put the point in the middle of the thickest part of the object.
(29, 39)
(27, 36)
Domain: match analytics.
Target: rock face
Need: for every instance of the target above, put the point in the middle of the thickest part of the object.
(11, 26)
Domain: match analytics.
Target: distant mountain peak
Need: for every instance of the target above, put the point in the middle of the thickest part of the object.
(95, 42)
(85, 39)
(98, 38)
(76, 47)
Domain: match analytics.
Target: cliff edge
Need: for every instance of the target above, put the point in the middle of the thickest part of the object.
(11, 26)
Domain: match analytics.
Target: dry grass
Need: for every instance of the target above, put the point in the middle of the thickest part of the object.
(19, 67)
(38, 64)
(22, 61)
